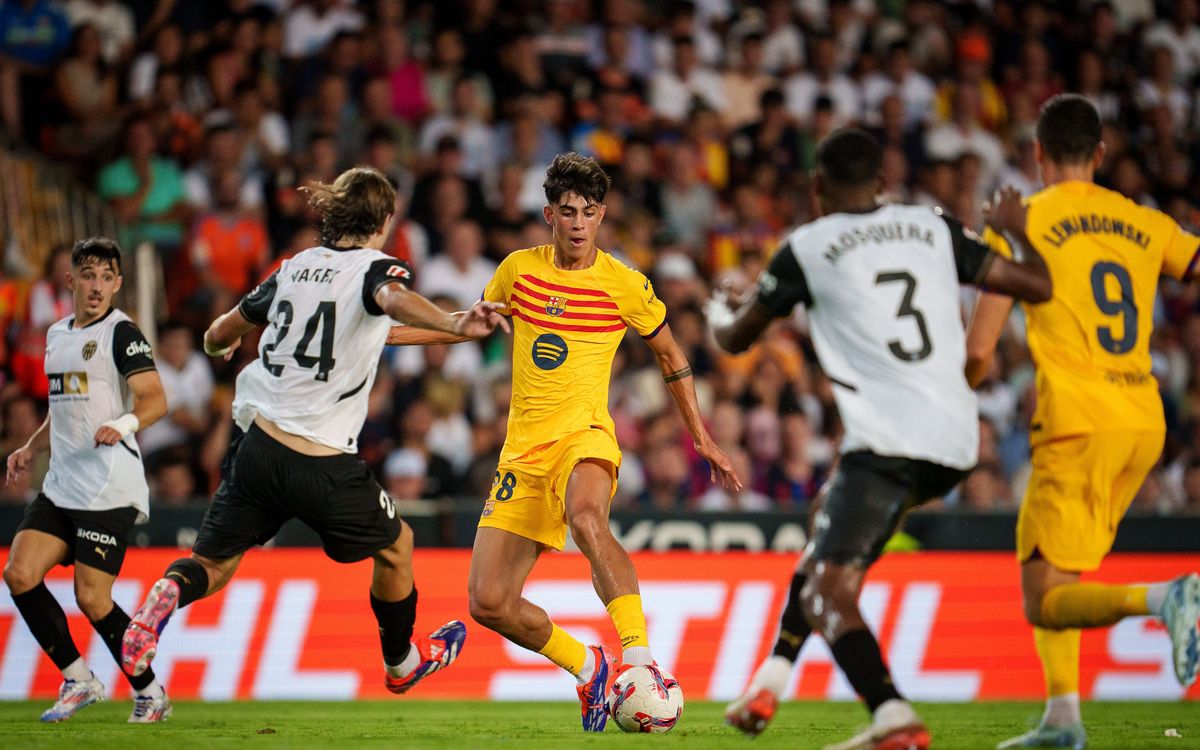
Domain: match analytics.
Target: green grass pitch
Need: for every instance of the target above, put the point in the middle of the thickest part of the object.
(435, 725)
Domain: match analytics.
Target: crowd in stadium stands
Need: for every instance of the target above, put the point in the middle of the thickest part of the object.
(197, 122)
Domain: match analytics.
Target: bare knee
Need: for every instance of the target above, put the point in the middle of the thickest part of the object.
(95, 602)
(1032, 602)
(589, 529)
(489, 607)
(20, 577)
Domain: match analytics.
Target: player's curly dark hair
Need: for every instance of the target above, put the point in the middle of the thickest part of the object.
(100, 250)
(575, 173)
(354, 207)
(1068, 128)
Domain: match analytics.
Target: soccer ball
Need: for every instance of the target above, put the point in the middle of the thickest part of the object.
(645, 699)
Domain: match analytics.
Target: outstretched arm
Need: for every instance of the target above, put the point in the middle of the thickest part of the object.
(19, 460)
(408, 307)
(678, 377)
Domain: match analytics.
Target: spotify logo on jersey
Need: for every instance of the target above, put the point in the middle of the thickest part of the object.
(549, 351)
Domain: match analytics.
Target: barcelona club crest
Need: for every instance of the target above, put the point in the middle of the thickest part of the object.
(555, 306)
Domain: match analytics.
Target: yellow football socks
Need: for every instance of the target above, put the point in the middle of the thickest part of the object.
(1059, 652)
(564, 650)
(630, 621)
(1091, 605)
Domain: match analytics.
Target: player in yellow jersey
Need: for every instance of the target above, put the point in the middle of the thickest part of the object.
(1098, 427)
(570, 303)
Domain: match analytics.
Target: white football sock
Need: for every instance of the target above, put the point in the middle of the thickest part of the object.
(773, 675)
(895, 713)
(589, 668)
(637, 655)
(1062, 710)
(1156, 597)
(77, 670)
(406, 665)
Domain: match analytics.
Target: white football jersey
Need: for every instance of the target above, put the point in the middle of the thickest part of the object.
(882, 290)
(320, 351)
(86, 368)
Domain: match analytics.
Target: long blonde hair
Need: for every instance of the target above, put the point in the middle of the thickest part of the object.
(355, 206)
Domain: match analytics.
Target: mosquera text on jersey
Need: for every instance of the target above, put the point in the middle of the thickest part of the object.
(566, 329)
(882, 289)
(87, 369)
(318, 357)
(1091, 341)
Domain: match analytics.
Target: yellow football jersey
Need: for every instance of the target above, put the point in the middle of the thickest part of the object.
(566, 329)
(1091, 341)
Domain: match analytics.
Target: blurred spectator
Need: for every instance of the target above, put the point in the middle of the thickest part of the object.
(188, 384)
(166, 52)
(229, 246)
(172, 482)
(88, 92)
(447, 68)
(50, 300)
(783, 44)
(21, 420)
(459, 271)
(33, 33)
(334, 113)
(1180, 35)
(409, 101)
(112, 20)
(310, 24)
(146, 191)
(465, 122)
(964, 133)
(404, 474)
(802, 90)
(916, 92)
(673, 89)
(687, 202)
(744, 84)
(222, 155)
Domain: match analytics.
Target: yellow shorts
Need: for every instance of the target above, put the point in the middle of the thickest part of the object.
(1078, 492)
(528, 495)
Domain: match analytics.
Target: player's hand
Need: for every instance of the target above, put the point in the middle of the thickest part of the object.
(717, 310)
(483, 318)
(225, 353)
(18, 464)
(719, 466)
(107, 436)
(1008, 214)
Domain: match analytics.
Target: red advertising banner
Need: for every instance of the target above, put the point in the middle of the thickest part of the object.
(293, 625)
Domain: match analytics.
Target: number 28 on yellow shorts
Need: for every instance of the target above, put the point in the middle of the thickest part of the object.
(528, 495)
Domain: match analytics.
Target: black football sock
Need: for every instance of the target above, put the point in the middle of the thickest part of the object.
(395, 626)
(857, 653)
(192, 578)
(112, 628)
(793, 627)
(48, 623)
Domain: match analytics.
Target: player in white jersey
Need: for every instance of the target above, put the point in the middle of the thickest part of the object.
(299, 408)
(103, 388)
(881, 284)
